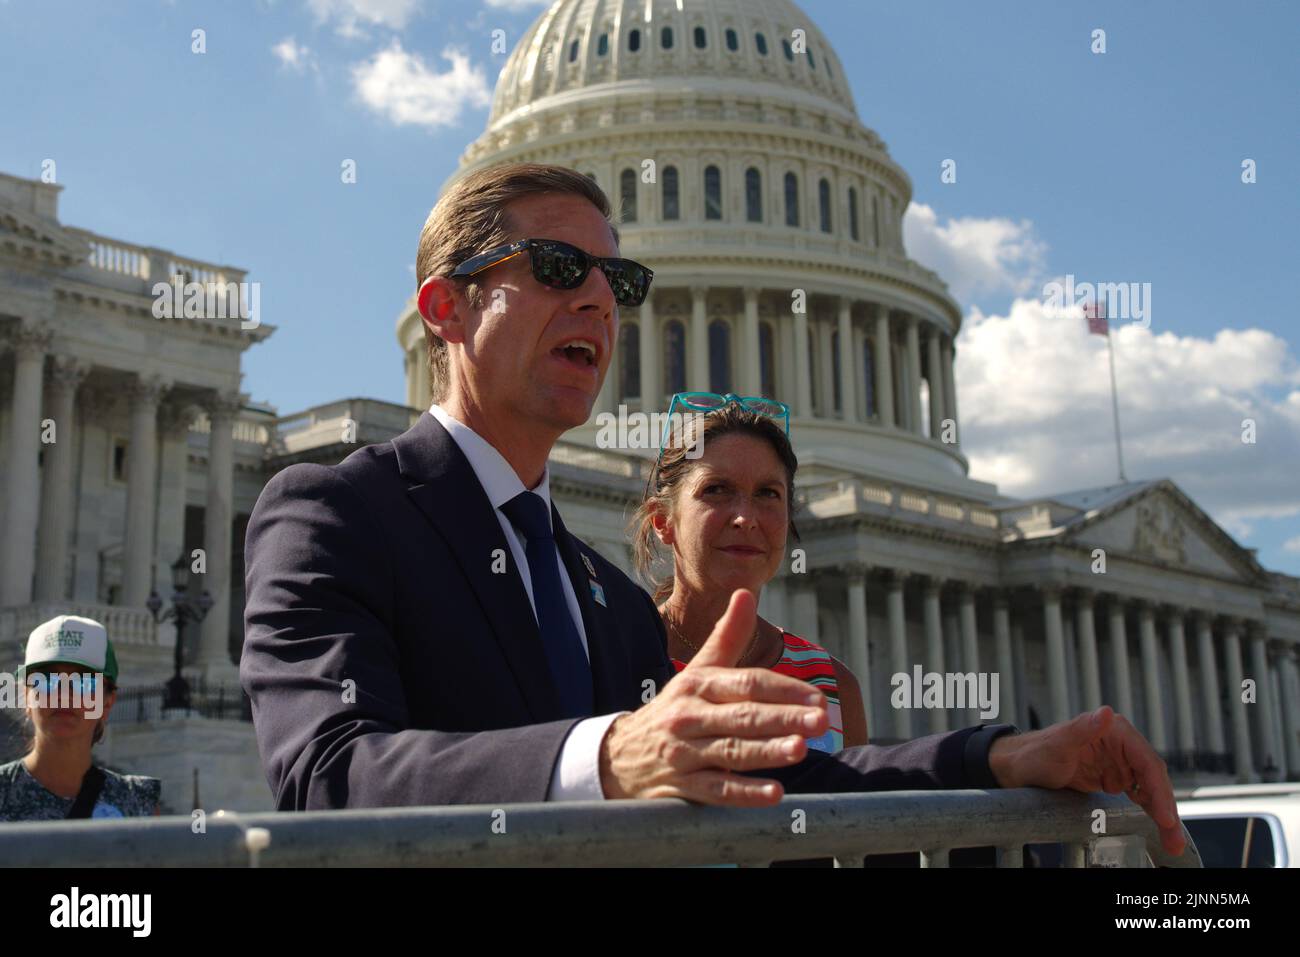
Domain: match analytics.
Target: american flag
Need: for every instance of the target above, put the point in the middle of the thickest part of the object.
(1095, 313)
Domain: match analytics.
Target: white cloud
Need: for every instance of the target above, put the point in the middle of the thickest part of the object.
(517, 4)
(975, 256)
(1034, 398)
(1292, 545)
(349, 16)
(402, 88)
(294, 56)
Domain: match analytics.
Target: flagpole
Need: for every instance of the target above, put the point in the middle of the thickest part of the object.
(1114, 402)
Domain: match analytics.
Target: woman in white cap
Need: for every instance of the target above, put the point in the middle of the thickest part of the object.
(69, 679)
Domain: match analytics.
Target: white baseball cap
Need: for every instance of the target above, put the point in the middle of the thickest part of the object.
(71, 639)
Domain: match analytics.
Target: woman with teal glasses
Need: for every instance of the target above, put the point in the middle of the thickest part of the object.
(719, 500)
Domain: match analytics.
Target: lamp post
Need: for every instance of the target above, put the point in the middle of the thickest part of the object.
(183, 611)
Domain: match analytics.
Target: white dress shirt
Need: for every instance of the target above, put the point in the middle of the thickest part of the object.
(577, 773)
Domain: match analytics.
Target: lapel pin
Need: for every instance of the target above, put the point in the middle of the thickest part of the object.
(591, 569)
(598, 593)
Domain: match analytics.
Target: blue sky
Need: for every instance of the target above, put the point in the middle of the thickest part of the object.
(1123, 166)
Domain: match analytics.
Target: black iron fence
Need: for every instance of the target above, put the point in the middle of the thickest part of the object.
(206, 701)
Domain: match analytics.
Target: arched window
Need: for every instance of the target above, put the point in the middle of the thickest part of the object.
(629, 361)
(666, 38)
(824, 204)
(767, 359)
(700, 38)
(573, 51)
(791, 199)
(869, 376)
(733, 41)
(672, 203)
(854, 232)
(760, 43)
(602, 45)
(712, 193)
(789, 51)
(719, 356)
(674, 356)
(875, 217)
(634, 41)
(837, 402)
(753, 195)
(627, 194)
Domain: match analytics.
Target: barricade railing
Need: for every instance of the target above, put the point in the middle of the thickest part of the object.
(658, 833)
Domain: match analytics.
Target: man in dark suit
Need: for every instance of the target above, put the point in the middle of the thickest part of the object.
(422, 629)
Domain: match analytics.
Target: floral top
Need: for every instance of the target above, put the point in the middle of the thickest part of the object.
(23, 798)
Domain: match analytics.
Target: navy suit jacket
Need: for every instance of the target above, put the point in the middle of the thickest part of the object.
(392, 656)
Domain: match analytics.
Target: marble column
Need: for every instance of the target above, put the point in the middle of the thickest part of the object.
(1055, 638)
(1072, 694)
(1242, 749)
(1005, 658)
(848, 363)
(938, 402)
(22, 490)
(1290, 707)
(1119, 659)
(1277, 711)
(970, 642)
(914, 375)
(1021, 683)
(141, 476)
(898, 648)
(859, 656)
(1263, 694)
(698, 378)
(825, 367)
(58, 481)
(214, 641)
(751, 373)
(1152, 690)
(1209, 684)
(1086, 636)
(950, 387)
(652, 385)
(881, 352)
(803, 611)
(1186, 733)
(933, 612)
(803, 406)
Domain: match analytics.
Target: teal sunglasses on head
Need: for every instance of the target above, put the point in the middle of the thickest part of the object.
(707, 402)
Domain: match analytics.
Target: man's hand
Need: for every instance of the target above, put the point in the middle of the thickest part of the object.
(1097, 751)
(712, 721)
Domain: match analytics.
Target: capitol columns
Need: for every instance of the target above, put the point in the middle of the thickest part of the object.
(698, 380)
(1086, 634)
(1209, 684)
(932, 609)
(65, 376)
(881, 353)
(938, 388)
(859, 652)
(1290, 700)
(1119, 658)
(141, 500)
(913, 377)
(1263, 696)
(30, 341)
(970, 642)
(214, 651)
(751, 373)
(1186, 733)
(898, 646)
(1054, 630)
(802, 592)
(949, 389)
(650, 349)
(1152, 691)
(802, 382)
(1006, 664)
(848, 362)
(1242, 752)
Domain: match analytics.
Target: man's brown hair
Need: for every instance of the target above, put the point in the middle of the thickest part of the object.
(471, 218)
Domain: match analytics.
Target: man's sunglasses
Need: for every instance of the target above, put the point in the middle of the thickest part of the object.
(562, 266)
(707, 402)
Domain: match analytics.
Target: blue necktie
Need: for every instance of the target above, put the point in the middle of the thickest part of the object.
(569, 667)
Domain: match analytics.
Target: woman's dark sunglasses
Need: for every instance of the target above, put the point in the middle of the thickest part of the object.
(562, 266)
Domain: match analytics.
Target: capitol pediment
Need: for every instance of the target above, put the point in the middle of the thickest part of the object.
(1162, 525)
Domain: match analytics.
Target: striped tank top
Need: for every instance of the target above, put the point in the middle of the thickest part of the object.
(811, 663)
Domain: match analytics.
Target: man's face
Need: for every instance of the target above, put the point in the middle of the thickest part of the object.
(520, 357)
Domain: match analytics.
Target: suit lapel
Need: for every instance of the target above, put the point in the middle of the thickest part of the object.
(445, 488)
(608, 661)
